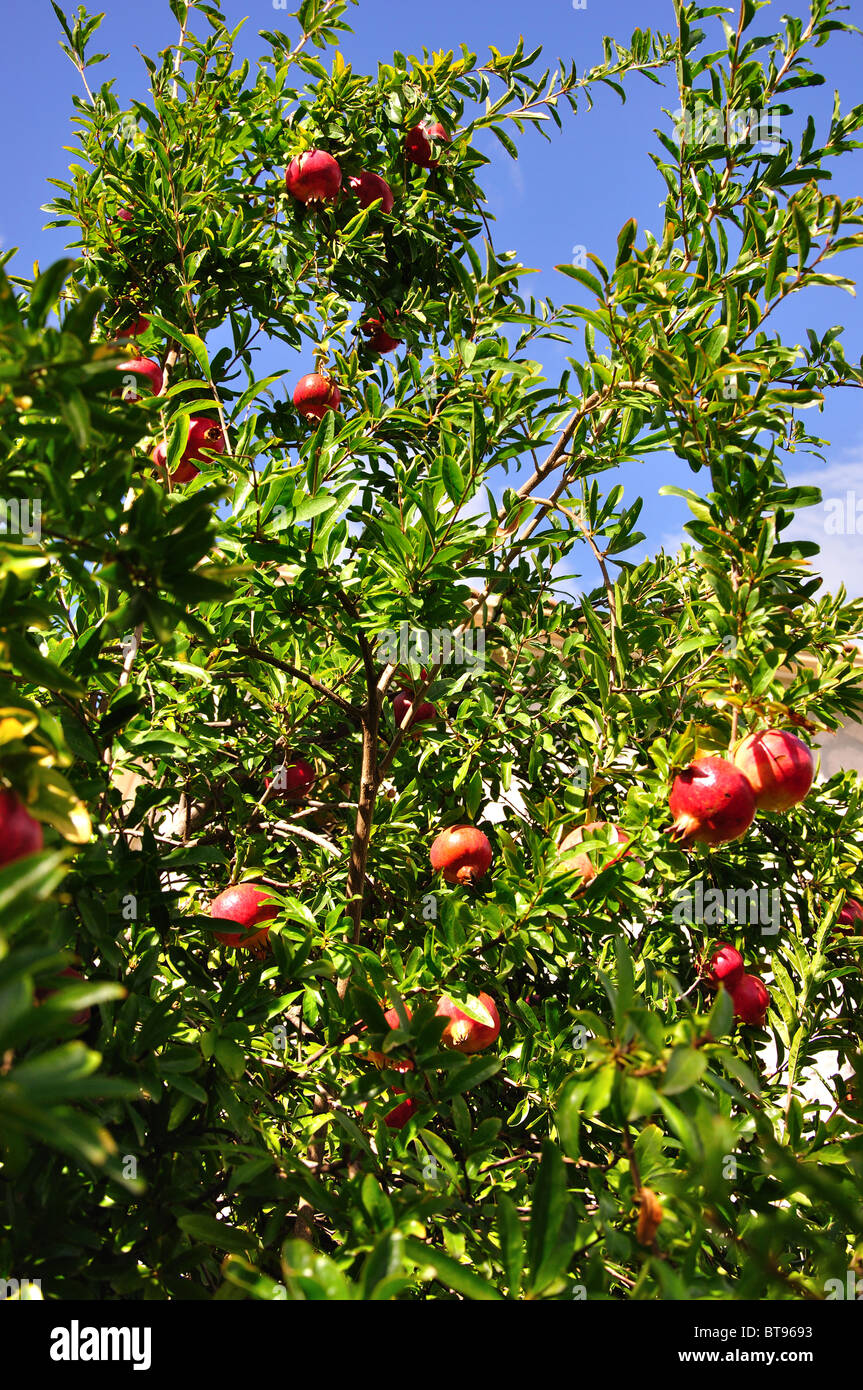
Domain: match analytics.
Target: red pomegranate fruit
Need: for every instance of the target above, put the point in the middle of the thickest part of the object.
(140, 367)
(314, 395)
(203, 434)
(778, 766)
(384, 1059)
(725, 966)
(425, 713)
(851, 916)
(583, 863)
(248, 904)
(294, 780)
(467, 1034)
(398, 1117)
(20, 834)
(313, 177)
(419, 146)
(369, 187)
(462, 852)
(750, 999)
(134, 328)
(711, 802)
(377, 338)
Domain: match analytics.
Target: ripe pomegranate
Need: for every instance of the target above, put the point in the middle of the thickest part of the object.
(425, 712)
(248, 904)
(725, 966)
(400, 1114)
(142, 367)
(462, 852)
(750, 999)
(203, 434)
(125, 215)
(711, 802)
(378, 339)
(315, 395)
(778, 766)
(369, 187)
(851, 916)
(133, 328)
(583, 864)
(384, 1059)
(464, 1033)
(418, 143)
(20, 834)
(313, 177)
(294, 779)
(83, 1015)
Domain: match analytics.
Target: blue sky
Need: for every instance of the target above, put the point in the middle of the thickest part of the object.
(576, 191)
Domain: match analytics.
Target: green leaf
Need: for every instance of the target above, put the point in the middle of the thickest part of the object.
(685, 1067)
(584, 277)
(433, 1263)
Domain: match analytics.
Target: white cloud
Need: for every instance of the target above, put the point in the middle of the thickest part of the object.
(835, 524)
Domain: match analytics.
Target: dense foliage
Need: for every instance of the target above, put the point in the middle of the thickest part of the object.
(215, 1127)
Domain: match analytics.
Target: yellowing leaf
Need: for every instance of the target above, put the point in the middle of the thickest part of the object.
(56, 804)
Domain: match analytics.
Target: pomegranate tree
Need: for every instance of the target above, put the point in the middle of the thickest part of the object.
(711, 802)
(778, 766)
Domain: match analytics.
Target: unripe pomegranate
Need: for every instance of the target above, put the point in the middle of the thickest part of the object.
(725, 966)
(20, 834)
(203, 434)
(294, 780)
(378, 339)
(83, 1015)
(583, 864)
(424, 713)
(778, 766)
(369, 187)
(383, 1059)
(248, 904)
(462, 852)
(313, 177)
(418, 143)
(141, 367)
(711, 802)
(750, 999)
(314, 395)
(464, 1033)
